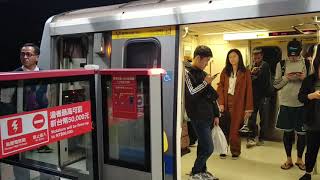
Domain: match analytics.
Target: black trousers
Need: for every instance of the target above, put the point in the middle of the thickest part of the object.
(313, 144)
(260, 105)
(224, 123)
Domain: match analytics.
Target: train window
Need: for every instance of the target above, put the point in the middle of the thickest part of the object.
(272, 55)
(73, 52)
(142, 53)
(127, 142)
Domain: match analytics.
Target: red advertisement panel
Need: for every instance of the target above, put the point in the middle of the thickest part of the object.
(124, 97)
(29, 130)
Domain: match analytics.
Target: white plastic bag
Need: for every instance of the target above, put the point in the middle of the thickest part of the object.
(220, 144)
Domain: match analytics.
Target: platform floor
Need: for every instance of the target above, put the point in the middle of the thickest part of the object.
(257, 163)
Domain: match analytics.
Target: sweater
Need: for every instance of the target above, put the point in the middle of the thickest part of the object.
(289, 89)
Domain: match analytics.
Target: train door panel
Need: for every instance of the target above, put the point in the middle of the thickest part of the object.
(72, 53)
(153, 48)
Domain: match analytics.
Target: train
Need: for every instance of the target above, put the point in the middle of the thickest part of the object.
(161, 34)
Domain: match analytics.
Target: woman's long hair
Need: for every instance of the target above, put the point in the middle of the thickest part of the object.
(228, 66)
(316, 63)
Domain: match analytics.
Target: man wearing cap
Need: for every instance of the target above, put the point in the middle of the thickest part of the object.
(288, 80)
(260, 76)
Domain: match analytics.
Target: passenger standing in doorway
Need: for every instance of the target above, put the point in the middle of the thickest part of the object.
(288, 79)
(191, 133)
(202, 109)
(310, 95)
(235, 98)
(261, 78)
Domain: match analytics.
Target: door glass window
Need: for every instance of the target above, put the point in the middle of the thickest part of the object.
(142, 53)
(128, 135)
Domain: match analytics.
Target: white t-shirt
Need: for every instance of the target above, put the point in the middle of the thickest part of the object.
(232, 84)
(35, 69)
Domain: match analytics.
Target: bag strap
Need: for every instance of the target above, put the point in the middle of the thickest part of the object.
(307, 63)
(283, 67)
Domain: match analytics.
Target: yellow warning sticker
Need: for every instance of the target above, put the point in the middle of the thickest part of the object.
(165, 142)
(144, 33)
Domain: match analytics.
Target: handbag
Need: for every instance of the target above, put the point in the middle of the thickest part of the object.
(220, 143)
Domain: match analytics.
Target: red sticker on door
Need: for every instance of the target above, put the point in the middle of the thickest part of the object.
(29, 130)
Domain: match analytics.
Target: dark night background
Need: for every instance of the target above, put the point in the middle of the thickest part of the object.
(23, 21)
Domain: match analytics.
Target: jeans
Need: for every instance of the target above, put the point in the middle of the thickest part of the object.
(259, 106)
(192, 134)
(205, 144)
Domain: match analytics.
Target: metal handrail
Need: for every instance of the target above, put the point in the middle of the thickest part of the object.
(37, 167)
(23, 75)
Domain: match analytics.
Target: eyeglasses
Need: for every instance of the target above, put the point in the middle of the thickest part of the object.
(28, 54)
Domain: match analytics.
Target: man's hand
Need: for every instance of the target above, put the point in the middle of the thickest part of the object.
(314, 95)
(221, 107)
(216, 121)
(208, 79)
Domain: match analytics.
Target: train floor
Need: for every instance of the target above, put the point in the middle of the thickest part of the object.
(257, 163)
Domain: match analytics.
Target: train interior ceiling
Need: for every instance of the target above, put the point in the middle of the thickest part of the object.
(272, 34)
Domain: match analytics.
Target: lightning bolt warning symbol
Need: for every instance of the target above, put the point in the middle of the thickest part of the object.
(15, 126)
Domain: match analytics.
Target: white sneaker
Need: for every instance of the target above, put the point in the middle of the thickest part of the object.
(194, 145)
(208, 176)
(196, 177)
(251, 143)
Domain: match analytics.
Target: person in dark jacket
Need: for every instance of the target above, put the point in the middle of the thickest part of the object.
(35, 97)
(192, 135)
(261, 82)
(309, 94)
(201, 107)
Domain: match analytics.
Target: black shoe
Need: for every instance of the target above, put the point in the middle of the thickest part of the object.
(185, 151)
(235, 157)
(223, 156)
(306, 176)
